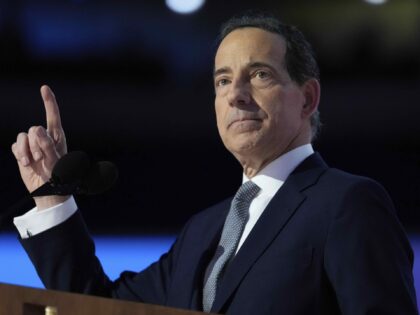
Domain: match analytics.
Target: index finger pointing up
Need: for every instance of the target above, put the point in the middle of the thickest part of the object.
(51, 108)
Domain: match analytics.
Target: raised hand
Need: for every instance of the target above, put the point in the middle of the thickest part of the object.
(39, 149)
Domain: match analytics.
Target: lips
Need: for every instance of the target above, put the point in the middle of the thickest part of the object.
(244, 119)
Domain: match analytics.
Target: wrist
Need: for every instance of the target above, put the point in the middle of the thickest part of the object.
(46, 202)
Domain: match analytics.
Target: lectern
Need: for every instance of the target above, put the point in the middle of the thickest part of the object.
(18, 300)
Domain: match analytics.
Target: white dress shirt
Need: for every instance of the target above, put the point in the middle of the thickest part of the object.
(269, 179)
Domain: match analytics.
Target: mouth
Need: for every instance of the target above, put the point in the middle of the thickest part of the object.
(244, 121)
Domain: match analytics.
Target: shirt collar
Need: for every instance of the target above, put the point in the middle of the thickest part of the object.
(273, 175)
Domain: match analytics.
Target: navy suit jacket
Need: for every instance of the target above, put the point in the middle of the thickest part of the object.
(328, 243)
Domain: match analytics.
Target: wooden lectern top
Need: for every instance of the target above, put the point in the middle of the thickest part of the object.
(18, 300)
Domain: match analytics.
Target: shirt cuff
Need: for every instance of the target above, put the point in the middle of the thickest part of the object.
(34, 222)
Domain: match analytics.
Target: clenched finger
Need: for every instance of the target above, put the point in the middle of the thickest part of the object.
(33, 142)
(46, 145)
(21, 149)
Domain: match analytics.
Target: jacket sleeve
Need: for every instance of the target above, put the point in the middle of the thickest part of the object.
(368, 258)
(64, 258)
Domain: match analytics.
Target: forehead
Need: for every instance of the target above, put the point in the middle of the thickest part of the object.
(250, 44)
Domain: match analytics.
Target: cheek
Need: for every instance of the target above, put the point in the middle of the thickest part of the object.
(276, 115)
(282, 123)
(286, 108)
(220, 115)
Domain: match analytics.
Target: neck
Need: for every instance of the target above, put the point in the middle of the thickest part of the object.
(252, 164)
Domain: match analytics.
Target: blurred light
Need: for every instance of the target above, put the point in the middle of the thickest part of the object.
(117, 253)
(376, 2)
(184, 6)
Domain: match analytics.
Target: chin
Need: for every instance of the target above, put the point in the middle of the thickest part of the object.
(243, 148)
(244, 143)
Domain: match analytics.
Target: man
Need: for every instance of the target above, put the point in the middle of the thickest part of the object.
(297, 238)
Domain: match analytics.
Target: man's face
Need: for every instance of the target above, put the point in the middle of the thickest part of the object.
(258, 106)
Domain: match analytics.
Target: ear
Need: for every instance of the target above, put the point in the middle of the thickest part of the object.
(312, 92)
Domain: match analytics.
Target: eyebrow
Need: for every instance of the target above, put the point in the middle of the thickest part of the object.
(222, 70)
(257, 64)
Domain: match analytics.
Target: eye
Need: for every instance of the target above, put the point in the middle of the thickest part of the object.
(261, 74)
(221, 82)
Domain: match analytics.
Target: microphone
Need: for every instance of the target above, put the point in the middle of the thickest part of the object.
(72, 174)
(75, 174)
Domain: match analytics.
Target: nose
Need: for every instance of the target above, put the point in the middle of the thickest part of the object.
(239, 93)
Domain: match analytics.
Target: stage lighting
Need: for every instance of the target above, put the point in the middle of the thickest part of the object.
(184, 6)
(376, 2)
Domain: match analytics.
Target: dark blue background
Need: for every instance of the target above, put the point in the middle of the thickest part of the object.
(134, 84)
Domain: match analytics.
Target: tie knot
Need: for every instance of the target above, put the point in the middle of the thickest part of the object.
(247, 192)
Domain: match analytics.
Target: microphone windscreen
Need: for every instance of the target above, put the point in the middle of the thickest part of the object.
(100, 178)
(71, 168)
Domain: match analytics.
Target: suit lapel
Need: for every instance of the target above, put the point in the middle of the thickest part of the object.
(278, 212)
